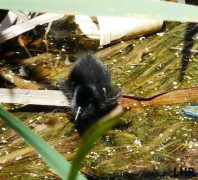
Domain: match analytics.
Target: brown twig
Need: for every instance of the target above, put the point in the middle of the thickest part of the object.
(177, 96)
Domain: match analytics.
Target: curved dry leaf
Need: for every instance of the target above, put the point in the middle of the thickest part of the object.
(87, 26)
(112, 28)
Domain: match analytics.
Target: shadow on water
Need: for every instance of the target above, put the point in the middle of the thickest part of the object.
(191, 31)
(37, 109)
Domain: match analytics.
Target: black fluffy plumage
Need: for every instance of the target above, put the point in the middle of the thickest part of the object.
(89, 91)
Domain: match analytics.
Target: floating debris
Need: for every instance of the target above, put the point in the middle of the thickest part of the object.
(191, 111)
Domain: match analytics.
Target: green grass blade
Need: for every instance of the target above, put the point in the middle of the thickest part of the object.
(50, 155)
(131, 8)
(90, 136)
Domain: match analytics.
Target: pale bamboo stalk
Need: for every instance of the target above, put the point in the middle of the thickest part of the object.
(33, 97)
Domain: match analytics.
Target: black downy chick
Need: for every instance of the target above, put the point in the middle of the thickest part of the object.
(89, 91)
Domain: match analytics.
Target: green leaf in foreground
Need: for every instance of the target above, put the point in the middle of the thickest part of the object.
(50, 155)
(90, 136)
(146, 8)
